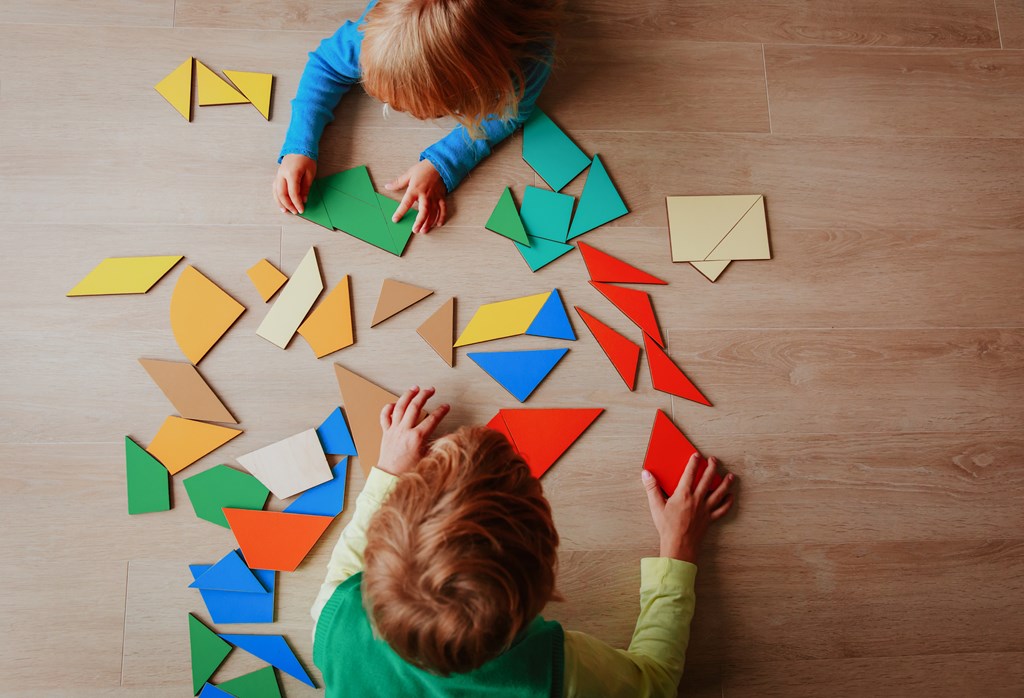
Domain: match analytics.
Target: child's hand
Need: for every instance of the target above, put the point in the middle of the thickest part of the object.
(426, 189)
(683, 518)
(404, 441)
(291, 186)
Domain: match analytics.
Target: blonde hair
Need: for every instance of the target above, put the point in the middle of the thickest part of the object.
(461, 556)
(458, 58)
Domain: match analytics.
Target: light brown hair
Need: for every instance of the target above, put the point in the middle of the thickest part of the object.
(461, 556)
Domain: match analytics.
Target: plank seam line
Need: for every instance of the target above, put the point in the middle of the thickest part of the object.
(767, 96)
(124, 621)
(999, 29)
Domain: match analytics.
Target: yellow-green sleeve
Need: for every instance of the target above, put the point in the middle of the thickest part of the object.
(653, 664)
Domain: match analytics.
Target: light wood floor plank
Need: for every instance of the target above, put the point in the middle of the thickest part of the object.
(1011, 23)
(322, 16)
(142, 13)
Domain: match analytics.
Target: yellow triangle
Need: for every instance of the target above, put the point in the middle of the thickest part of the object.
(747, 240)
(256, 87)
(504, 319)
(211, 89)
(712, 270)
(176, 88)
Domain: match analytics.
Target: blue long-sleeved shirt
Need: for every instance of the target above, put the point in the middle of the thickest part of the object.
(334, 67)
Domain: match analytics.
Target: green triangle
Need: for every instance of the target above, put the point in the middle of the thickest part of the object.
(149, 487)
(315, 210)
(542, 252)
(358, 218)
(208, 652)
(221, 486)
(599, 203)
(261, 683)
(505, 219)
(355, 182)
(400, 231)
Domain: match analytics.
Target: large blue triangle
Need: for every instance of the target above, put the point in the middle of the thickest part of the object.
(274, 650)
(229, 574)
(519, 372)
(335, 436)
(326, 499)
(552, 320)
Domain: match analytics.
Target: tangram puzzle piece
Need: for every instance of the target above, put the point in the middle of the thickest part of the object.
(519, 372)
(505, 219)
(201, 312)
(541, 252)
(274, 650)
(181, 442)
(211, 691)
(221, 486)
(669, 378)
(542, 436)
(363, 403)
(267, 279)
(400, 231)
(149, 487)
(604, 268)
(289, 466)
(396, 296)
(550, 152)
(502, 319)
(124, 275)
(335, 436)
(438, 331)
(624, 354)
(239, 607)
(258, 684)
(546, 214)
(188, 392)
(207, 649)
(327, 499)
(347, 201)
(274, 540)
(297, 297)
(711, 231)
(711, 270)
(552, 320)
(498, 424)
(230, 573)
(329, 326)
(599, 203)
(315, 209)
(361, 219)
(176, 88)
(256, 87)
(636, 305)
(211, 89)
(667, 454)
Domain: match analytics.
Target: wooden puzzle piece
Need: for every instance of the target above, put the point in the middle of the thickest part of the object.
(401, 231)
(717, 228)
(438, 331)
(211, 691)
(181, 442)
(207, 651)
(211, 89)
(599, 203)
(190, 394)
(222, 486)
(289, 466)
(273, 540)
(257, 684)
(623, 354)
(498, 424)
(327, 499)
(711, 270)
(124, 275)
(334, 435)
(176, 88)
(636, 305)
(257, 88)
(267, 279)
(357, 218)
(550, 152)
(363, 403)
(502, 319)
(546, 214)
(329, 326)
(519, 372)
(505, 219)
(355, 182)
(668, 452)
(226, 607)
(552, 320)
(542, 436)
(201, 312)
(315, 209)
(148, 482)
(604, 268)
(274, 650)
(396, 296)
(748, 239)
(294, 302)
(230, 573)
(669, 378)
(541, 252)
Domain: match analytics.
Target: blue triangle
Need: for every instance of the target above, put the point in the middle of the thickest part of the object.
(229, 574)
(326, 499)
(552, 320)
(335, 436)
(600, 202)
(274, 650)
(227, 607)
(519, 372)
(211, 691)
(541, 252)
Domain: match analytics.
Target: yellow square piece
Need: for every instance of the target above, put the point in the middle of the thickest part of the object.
(266, 278)
(123, 275)
(503, 319)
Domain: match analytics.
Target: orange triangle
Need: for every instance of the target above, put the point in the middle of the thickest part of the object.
(636, 305)
(274, 540)
(603, 267)
(542, 436)
(667, 454)
(329, 327)
(395, 297)
(669, 378)
(624, 354)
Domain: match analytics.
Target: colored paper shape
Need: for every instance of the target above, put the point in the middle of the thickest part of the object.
(211, 89)
(505, 219)
(274, 540)
(552, 320)
(207, 651)
(438, 331)
(291, 307)
(230, 573)
(289, 466)
(396, 296)
(261, 683)
(604, 268)
(668, 377)
(211, 691)
(176, 88)
(124, 275)
(329, 326)
(222, 486)
(668, 452)
(624, 354)
(636, 305)
(315, 209)
(550, 152)
(401, 231)
(711, 270)
(599, 203)
(360, 219)
(190, 394)
(542, 436)
(502, 319)
(363, 404)
(227, 607)
(354, 181)
(706, 229)
(274, 650)
(267, 279)
(334, 434)
(257, 88)
(327, 499)
(546, 214)
(201, 312)
(519, 372)
(149, 485)
(181, 442)
(542, 252)
(347, 201)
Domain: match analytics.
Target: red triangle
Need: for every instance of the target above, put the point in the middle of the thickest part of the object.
(603, 267)
(498, 424)
(669, 378)
(667, 454)
(273, 540)
(624, 354)
(636, 305)
(542, 436)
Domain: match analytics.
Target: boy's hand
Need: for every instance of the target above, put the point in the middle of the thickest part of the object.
(683, 518)
(426, 189)
(404, 441)
(291, 186)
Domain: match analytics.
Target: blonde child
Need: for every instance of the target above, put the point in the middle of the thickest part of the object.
(481, 62)
(436, 585)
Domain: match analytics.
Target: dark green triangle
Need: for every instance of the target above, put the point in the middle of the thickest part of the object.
(355, 182)
(359, 219)
(149, 487)
(315, 210)
(208, 652)
(400, 231)
(505, 220)
(221, 486)
(258, 684)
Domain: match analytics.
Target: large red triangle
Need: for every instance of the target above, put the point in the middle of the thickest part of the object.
(636, 305)
(542, 436)
(669, 378)
(624, 354)
(274, 540)
(667, 454)
(603, 267)
(498, 424)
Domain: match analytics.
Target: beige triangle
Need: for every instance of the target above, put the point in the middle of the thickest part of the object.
(363, 402)
(212, 89)
(438, 331)
(698, 223)
(395, 297)
(747, 240)
(256, 87)
(712, 270)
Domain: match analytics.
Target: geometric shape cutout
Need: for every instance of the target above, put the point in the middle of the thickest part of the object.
(274, 540)
(363, 402)
(222, 486)
(176, 88)
(667, 377)
(124, 275)
(335, 436)
(396, 296)
(230, 573)
(148, 480)
(546, 214)
(600, 201)
(274, 650)
(267, 279)
(237, 606)
(188, 392)
(207, 650)
(315, 209)
(211, 89)
(181, 442)
(711, 270)
(211, 691)
(257, 684)
(291, 307)
(668, 451)
(327, 499)
(717, 228)
(505, 219)
(623, 353)
(201, 312)
(519, 372)
(256, 87)
(438, 331)
(636, 305)
(401, 231)
(542, 436)
(541, 252)
(329, 326)
(552, 320)
(550, 152)
(502, 319)
(289, 466)
(604, 268)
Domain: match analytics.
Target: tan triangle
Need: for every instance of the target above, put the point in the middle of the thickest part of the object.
(363, 402)
(176, 88)
(395, 297)
(256, 87)
(747, 240)
(212, 89)
(438, 331)
(698, 223)
(712, 270)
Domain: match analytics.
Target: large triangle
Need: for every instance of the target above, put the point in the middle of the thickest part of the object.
(149, 487)
(176, 88)
(396, 296)
(669, 378)
(181, 442)
(636, 305)
(624, 354)
(274, 650)
(505, 219)
(748, 239)
(256, 87)
(211, 89)
(335, 436)
(230, 573)
(357, 218)
(438, 331)
(327, 499)
(498, 424)
(502, 319)
(401, 231)
(519, 372)
(273, 540)
(541, 252)
(607, 269)
(668, 452)
(328, 328)
(261, 683)
(363, 401)
(552, 320)
(211, 691)
(599, 203)
(207, 650)
(542, 436)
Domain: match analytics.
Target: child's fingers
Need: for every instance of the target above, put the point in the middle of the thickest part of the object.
(403, 403)
(655, 499)
(401, 183)
(385, 416)
(704, 484)
(442, 213)
(689, 472)
(293, 192)
(281, 192)
(722, 510)
(427, 426)
(421, 217)
(412, 412)
(403, 206)
(720, 492)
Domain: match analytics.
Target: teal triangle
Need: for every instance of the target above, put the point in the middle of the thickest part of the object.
(519, 372)
(542, 252)
(552, 320)
(599, 203)
(505, 219)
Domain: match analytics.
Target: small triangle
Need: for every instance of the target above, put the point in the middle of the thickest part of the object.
(395, 297)
(668, 452)
(274, 650)
(257, 88)
(542, 436)
(542, 252)
(636, 305)
(505, 219)
(624, 354)
(599, 203)
(519, 372)
(211, 89)
(711, 270)
(149, 487)
(176, 88)
(211, 691)
(238, 607)
(438, 331)
(257, 684)
(315, 209)
(669, 378)
(335, 436)
(604, 268)
(328, 327)
(230, 573)
(401, 231)
(552, 320)
(207, 650)
(267, 279)
(748, 239)
(273, 540)
(327, 499)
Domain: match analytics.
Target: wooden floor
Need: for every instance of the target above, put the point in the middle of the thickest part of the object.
(868, 381)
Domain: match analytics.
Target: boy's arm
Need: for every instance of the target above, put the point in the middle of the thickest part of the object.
(653, 664)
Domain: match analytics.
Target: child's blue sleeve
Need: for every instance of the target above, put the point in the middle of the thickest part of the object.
(456, 154)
